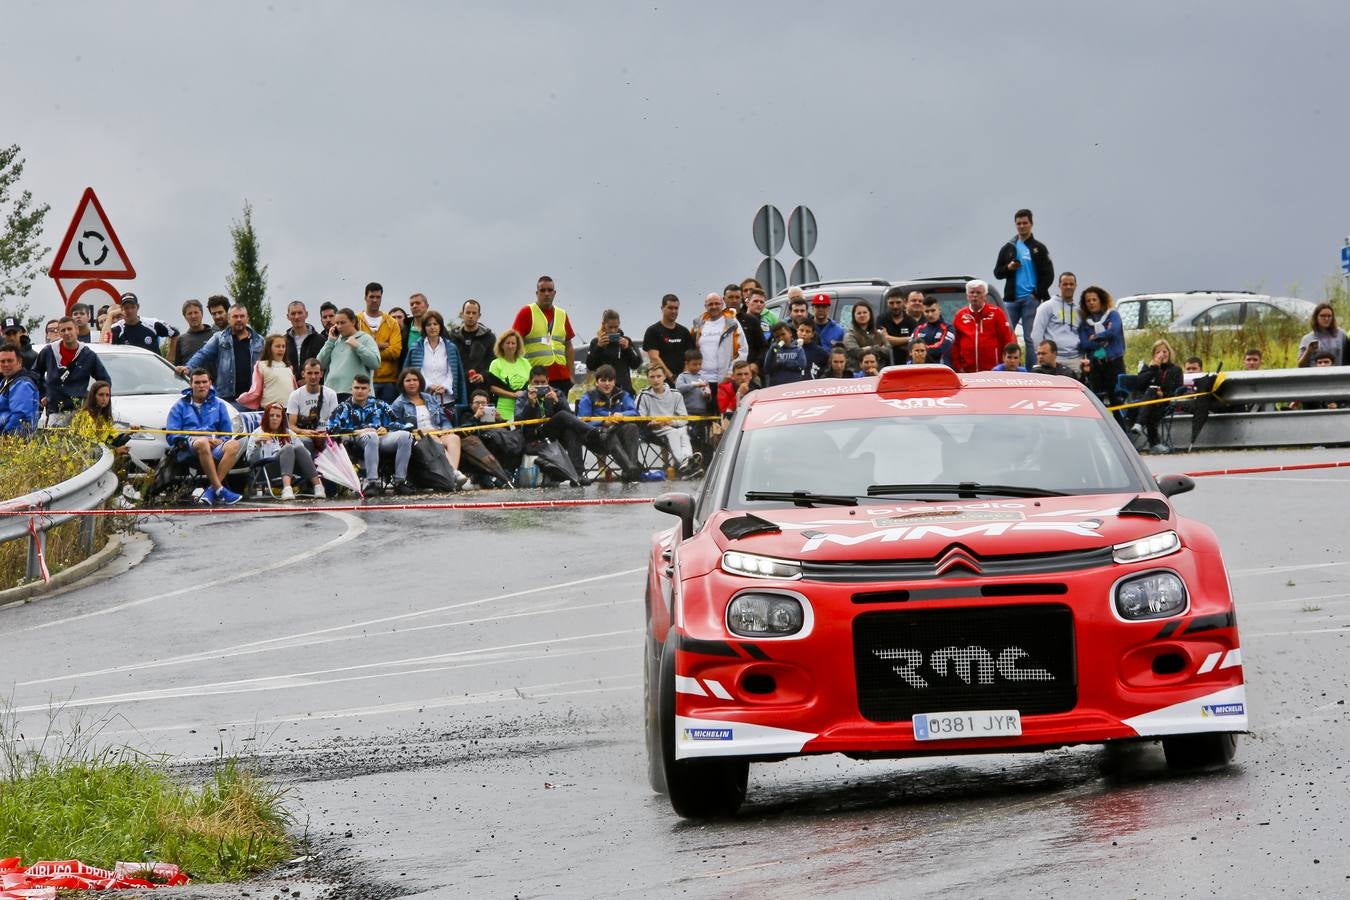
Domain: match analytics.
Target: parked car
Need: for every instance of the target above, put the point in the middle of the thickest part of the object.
(1140, 312)
(949, 289)
(1231, 313)
(145, 386)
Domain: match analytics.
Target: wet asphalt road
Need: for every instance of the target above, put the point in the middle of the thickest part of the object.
(454, 698)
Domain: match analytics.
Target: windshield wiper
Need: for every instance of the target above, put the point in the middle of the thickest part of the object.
(802, 498)
(964, 490)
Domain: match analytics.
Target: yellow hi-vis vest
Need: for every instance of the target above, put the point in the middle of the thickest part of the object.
(542, 347)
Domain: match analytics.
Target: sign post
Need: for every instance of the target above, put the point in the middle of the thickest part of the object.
(89, 255)
(802, 235)
(769, 235)
(1345, 259)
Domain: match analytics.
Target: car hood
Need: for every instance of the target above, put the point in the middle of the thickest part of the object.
(910, 530)
(145, 410)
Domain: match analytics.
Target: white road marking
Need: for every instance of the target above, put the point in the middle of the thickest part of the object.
(509, 695)
(1343, 629)
(313, 679)
(356, 526)
(1311, 599)
(1275, 570)
(251, 648)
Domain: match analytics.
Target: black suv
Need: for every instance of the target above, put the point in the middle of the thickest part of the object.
(950, 291)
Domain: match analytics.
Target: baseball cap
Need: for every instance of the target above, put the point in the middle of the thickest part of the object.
(820, 300)
(12, 324)
(129, 297)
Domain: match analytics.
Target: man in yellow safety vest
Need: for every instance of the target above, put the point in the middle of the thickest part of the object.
(548, 335)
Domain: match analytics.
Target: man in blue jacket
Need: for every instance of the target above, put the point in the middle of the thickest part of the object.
(18, 394)
(66, 367)
(372, 430)
(199, 409)
(229, 356)
(621, 438)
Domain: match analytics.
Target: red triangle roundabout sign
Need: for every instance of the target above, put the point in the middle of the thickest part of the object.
(90, 248)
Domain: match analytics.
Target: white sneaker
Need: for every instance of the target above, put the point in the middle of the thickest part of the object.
(287, 493)
(319, 492)
(460, 480)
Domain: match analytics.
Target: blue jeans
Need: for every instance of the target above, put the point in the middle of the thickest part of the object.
(372, 446)
(1023, 310)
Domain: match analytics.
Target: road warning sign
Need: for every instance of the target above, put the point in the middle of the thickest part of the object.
(90, 248)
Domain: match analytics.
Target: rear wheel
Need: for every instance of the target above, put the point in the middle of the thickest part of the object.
(651, 681)
(1186, 752)
(698, 788)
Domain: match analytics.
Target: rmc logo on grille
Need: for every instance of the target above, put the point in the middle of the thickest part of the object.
(971, 664)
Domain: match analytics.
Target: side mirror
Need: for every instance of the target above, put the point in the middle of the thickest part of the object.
(680, 506)
(1171, 485)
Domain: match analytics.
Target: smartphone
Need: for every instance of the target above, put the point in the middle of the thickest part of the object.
(614, 338)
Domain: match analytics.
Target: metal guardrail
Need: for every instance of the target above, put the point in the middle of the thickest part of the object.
(87, 490)
(1328, 384)
(1242, 413)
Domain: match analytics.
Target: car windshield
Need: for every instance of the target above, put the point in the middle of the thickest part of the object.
(141, 373)
(1062, 454)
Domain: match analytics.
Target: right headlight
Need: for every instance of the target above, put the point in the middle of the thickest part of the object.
(765, 615)
(1153, 595)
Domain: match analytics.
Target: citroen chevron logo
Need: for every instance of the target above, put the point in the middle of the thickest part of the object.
(958, 557)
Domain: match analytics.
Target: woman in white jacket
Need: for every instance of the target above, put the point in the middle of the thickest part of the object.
(273, 438)
(660, 400)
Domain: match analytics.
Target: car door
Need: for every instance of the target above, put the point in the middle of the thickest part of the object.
(1220, 317)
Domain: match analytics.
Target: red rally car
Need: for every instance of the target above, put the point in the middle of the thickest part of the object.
(930, 563)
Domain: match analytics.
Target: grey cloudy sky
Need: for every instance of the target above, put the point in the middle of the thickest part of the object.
(462, 149)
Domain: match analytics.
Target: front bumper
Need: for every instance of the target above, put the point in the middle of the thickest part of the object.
(774, 698)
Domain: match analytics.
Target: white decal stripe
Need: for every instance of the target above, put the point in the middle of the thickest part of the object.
(718, 737)
(718, 691)
(1234, 658)
(686, 685)
(1197, 715)
(1210, 662)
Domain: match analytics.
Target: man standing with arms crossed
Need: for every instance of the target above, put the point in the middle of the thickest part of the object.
(1027, 272)
(719, 337)
(388, 337)
(548, 336)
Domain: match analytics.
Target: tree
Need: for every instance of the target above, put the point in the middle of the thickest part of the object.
(247, 283)
(21, 249)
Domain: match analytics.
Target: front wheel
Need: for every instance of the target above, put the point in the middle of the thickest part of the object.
(651, 713)
(1186, 752)
(698, 788)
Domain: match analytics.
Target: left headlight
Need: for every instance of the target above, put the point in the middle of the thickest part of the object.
(1153, 595)
(1151, 547)
(765, 615)
(756, 566)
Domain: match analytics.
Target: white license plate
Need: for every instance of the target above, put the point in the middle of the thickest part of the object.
(974, 723)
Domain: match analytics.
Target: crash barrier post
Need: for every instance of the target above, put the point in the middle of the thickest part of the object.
(32, 514)
(1234, 418)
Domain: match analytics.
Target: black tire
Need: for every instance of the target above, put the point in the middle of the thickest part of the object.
(1188, 752)
(651, 681)
(698, 788)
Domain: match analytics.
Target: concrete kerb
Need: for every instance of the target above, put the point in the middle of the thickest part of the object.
(117, 545)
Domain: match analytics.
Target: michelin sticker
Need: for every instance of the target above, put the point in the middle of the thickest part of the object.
(1223, 709)
(707, 734)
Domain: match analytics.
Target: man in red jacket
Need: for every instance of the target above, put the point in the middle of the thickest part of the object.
(980, 331)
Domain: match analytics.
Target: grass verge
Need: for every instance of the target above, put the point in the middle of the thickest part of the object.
(63, 798)
(28, 464)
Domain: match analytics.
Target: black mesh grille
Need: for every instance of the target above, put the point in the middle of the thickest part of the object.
(939, 660)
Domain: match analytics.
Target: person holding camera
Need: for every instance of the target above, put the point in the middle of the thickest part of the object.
(541, 400)
(1324, 337)
(611, 347)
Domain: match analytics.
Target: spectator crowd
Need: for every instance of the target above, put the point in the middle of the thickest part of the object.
(408, 387)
